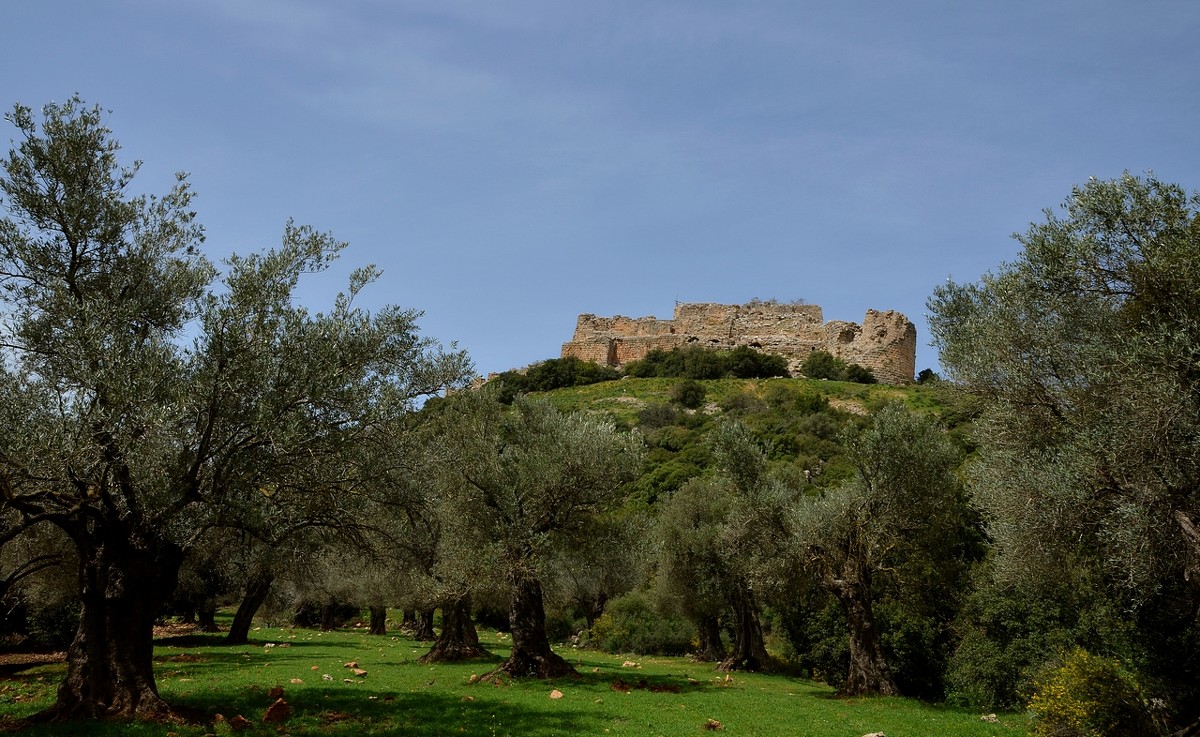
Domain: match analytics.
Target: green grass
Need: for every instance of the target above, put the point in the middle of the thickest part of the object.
(399, 696)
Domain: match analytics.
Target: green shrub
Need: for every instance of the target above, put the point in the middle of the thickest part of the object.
(1088, 695)
(630, 624)
(688, 393)
(698, 362)
(742, 403)
(657, 415)
(1006, 634)
(561, 626)
(553, 373)
(53, 626)
(822, 365)
(746, 363)
(859, 374)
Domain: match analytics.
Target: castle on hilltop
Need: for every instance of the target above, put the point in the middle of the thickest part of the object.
(886, 342)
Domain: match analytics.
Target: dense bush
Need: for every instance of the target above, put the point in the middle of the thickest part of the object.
(630, 624)
(699, 363)
(688, 393)
(554, 373)
(52, 626)
(657, 415)
(1087, 695)
(823, 365)
(1006, 634)
(815, 628)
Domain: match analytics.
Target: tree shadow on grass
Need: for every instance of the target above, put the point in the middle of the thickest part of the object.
(335, 712)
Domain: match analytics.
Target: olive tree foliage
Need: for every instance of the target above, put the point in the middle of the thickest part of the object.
(1085, 352)
(904, 491)
(432, 568)
(719, 534)
(146, 402)
(521, 484)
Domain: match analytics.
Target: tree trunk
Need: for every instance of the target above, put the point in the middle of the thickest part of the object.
(110, 670)
(423, 628)
(207, 614)
(592, 608)
(257, 590)
(869, 671)
(531, 654)
(711, 647)
(331, 617)
(378, 620)
(749, 651)
(458, 639)
(408, 621)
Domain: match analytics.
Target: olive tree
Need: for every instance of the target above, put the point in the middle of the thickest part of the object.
(146, 402)
(522, 483)
(719, 532)
(1085, 352)
(904, 487)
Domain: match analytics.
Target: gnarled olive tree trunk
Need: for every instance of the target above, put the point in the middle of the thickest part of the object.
(531, 654)
(458, 639)
(711, 648)
(124, 580)
(423, 626)
(749, 651)
(869, 671)
(378, 620)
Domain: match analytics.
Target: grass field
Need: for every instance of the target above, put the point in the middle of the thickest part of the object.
(398, 696)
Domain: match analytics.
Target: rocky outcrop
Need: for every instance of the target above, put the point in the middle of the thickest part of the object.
(886, 342)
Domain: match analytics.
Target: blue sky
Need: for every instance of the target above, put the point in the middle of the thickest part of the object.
(512, 164)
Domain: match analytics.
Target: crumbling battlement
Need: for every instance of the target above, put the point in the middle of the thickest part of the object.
(886, 342)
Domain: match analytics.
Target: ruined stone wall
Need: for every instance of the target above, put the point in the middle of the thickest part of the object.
(886, 342)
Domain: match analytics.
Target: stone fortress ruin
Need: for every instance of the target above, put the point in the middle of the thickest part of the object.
(886, 342)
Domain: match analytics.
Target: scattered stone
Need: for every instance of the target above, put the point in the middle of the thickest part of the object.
(713, 725)
(284, 644)
(630, 664)
(347, 680)
(359, 672)
(297, 681)
(596, 669)
(269, 644)
(238, 723)
(989, 718)
(315, 667)
(875, 734)
(556, 694)
(326, 677)
(278, 712)
(275, 693)
(351, 664)
(474, 678)
(468, 698)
